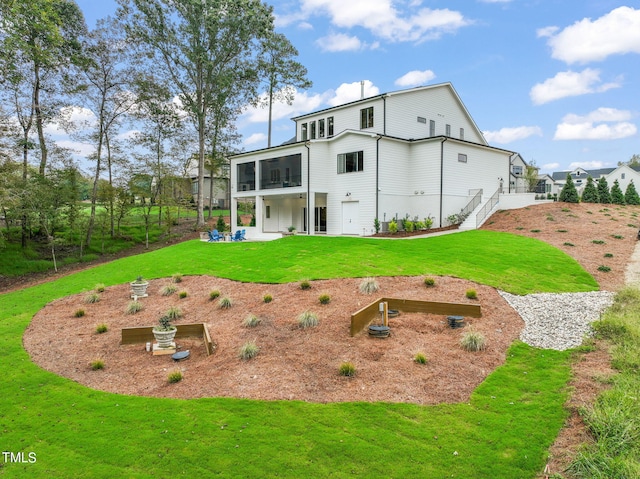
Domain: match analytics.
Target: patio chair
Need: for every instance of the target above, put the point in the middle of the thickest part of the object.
(237, 236)
(214, 236)
(242, 238)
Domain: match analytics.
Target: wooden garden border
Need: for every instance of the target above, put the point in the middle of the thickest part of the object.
(361, 319)
(144, 334)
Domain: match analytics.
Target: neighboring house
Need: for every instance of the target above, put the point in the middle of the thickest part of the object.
(413, 152)
(216, 197)
(624, 174)
(518, 178)
(545, 184)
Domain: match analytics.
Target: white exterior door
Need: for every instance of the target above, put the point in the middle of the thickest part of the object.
(350, 219)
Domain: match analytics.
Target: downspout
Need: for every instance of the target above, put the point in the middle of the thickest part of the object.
(378, 138)
(306, 145)
(442, 176)
(384, 115)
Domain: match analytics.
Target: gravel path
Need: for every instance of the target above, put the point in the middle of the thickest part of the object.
(561, 321)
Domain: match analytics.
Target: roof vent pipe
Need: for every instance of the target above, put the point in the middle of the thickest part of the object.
(361, 89)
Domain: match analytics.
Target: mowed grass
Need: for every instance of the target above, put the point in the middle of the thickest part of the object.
(504, 431)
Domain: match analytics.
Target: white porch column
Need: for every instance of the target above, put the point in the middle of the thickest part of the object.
(311, 213)
(233, 216)
(259, 214)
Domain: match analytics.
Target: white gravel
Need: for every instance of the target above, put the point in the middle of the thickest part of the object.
(558, 321)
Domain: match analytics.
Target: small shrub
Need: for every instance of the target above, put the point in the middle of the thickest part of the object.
(183, 294)
(429, 282)
(267, 298)
(347, 369)
(519, 228)
(603, 268)
(597, 242)
(565, 210)
(472, 341)
(535, 231)
(420, 358)
(79, 313)
(471, 294)
(174, 377)
(249, 350)
(631, 226)
(102, 328)
(97, 364)
(308, 320)
(173, 313)
(176, 278)
(225, 303)
(133, 307)
(324, 298)
(251, 321)
(618, 236)
(305, 284)
(561, 231)
(393, 227)
(99, 288)
(92, 298)
(608, 255)
(168, 290)
(214, 294)
(566, 243)
(369, 286)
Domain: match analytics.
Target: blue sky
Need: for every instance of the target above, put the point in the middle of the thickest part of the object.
(556, 80)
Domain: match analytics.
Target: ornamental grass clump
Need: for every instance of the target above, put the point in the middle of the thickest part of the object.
(168, 290)
(79, 313)
(214, 294)
(92, 298)
(347, 369)
(324, 298)
(97, 364)
(176, 278)
(99, 288)
(473, 341)
(429, 282)
(174, 377)
(305, 284)
(225, 303)
(420, 358)
(249, 350)
(308, 320)
(471, 294)
(251, 321)
(102, 328)
(173, 313)
(183, 294)
(134, 307)
(369, 286)
(267, 298)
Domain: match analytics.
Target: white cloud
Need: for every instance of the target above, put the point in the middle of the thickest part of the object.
(81, 149)
(383, 18)
(600, 124)
(415, 77)
(255, 138)
(570, 83)
(303, 102)
(128, 135)
(508, 135)
(546, 32)
(339, 42)
(495, 1)
(616, 33)
(305, 26)
(81, 118)
(587, 165)
(550, 166)
(352, 91)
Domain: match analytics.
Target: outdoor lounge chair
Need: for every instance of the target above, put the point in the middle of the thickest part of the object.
(237, 236)
(242, 235)
(214, 236)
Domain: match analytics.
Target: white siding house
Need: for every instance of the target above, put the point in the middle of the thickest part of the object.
(413, 152)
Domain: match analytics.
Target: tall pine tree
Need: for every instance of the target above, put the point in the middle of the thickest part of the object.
(590, 193)
(603, 191)
(569, 194)
(631, 195)
(617, 197)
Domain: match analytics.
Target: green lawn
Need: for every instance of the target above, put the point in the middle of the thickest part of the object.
(504, 431)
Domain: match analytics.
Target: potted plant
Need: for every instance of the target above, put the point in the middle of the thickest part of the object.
(164, 332)
(139, 288)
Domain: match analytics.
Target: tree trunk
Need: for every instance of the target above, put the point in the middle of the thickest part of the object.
(39, 119)
(270, 113)
(111, 212)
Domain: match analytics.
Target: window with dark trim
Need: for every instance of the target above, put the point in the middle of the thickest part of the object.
(267, 211)
(321, 128)
(246, 176)
(462, 158)
(330, 126)
(312, 130)
(366, 118)
(422, 119)
(350, 162)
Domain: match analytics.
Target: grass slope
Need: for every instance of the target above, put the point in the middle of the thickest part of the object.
(504, 431)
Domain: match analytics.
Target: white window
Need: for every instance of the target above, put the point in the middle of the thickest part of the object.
(517, 170)
(366, 118)
(462, 133)
(448, 130)
(350, 162)
(622, 177)
(303, 131)
(194, 187)
(462, 158)
(422, 120)
(432, 128)
(321, 128)
(312, 130)
(330, 126)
